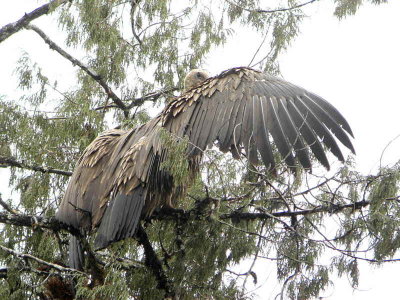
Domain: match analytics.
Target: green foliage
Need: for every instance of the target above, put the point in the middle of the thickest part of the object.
(176, 162)
(345, 8)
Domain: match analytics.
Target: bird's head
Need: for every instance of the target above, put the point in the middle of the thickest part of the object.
(194, 78)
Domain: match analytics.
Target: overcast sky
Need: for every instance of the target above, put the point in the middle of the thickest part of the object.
(353, 63)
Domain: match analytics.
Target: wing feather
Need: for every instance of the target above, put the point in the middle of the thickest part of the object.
(307, 133)
(229, 138)
(260, 133)
(337, 116)
(320, 129)
(292, 134)
(247, 133)
(326, 118)
(206, 135)
(223, 133)
(275, 128)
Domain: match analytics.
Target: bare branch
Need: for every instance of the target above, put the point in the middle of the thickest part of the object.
(84, 67)
(12, 162)
(41, 261)
(269, 11)
(11, 28)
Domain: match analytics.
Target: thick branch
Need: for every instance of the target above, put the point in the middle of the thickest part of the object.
(11, 162)
(11, 28)
(153, 262)
(81, 65)
(174, 214)
(35, 222)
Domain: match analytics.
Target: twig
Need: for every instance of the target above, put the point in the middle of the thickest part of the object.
(12, 162)
(11, 28)
(250, 271)
(7, 207)
(269, 11)
(153, 96)
(386, 147)
(258, 49)
(104, 107)
(85, 68)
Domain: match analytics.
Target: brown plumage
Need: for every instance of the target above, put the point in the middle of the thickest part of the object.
(118, 179)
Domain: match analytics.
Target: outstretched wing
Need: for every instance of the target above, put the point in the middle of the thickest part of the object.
(246, 109)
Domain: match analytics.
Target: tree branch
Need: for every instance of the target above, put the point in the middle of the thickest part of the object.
(7, 207)
(333, 208)
(153, 263)
(40, 261)
(11, 28)
(269, 11)
(134, 4)
(153, 96)
(36, 222)
(85, 68)
(174, 214)
(12, 162)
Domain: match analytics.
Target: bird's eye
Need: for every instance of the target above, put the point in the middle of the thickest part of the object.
(198, 75)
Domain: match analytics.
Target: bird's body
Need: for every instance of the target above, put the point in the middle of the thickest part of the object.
(118, 180)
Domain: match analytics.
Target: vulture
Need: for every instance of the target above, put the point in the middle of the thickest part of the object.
(119, 179)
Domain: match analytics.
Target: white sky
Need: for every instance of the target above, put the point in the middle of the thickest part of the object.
(353, 63)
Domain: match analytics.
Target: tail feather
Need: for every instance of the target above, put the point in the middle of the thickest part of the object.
(121, 218)
(75, 257)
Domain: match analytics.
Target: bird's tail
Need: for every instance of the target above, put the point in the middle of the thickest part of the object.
(75, 257)
(121, 218)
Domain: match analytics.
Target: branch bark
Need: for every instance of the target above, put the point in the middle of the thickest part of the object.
(11, 28)
(110, 93)
(12, 162)
(151, 96)
(40, 261)
(153, 263)
(36, 222)
(174, 214)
